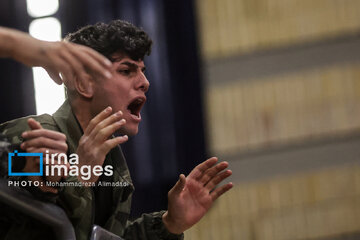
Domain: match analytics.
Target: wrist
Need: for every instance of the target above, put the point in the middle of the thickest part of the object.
(170, 224)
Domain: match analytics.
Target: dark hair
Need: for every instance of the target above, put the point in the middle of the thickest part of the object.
(117, 35)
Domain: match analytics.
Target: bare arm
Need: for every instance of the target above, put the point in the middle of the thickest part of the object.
(56, 57)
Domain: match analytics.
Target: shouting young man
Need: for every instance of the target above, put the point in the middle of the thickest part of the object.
(99, 115)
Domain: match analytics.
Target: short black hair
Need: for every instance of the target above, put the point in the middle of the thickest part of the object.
(117, 35)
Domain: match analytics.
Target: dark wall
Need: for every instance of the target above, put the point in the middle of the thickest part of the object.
(17, 89)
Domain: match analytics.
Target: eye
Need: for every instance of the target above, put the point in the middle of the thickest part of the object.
(124, 71)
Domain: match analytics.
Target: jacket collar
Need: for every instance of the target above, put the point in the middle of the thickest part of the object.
(68, 124)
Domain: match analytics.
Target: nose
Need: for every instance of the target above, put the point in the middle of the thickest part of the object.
(142, 83)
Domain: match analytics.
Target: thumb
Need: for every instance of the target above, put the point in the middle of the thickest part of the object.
(54, 75)
(33, 124)
(180, 184)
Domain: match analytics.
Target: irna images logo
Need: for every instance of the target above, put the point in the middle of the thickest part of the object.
(56, 165)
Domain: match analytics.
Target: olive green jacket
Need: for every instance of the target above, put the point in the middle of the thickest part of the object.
(78, 202)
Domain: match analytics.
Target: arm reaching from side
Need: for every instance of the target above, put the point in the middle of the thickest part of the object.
(55, 57)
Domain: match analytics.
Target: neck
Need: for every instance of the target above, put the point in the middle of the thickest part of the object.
(82, 113)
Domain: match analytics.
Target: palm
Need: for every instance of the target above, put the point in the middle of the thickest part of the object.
(192, 196)
(193, 202)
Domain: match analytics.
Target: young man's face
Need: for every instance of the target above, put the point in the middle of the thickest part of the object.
(125, 91)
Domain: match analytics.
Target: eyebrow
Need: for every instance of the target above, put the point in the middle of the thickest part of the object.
(132, 65)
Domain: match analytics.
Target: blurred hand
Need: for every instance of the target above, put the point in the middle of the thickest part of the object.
(192, 196)
(56, 58)
(69, 59)
(38, 140)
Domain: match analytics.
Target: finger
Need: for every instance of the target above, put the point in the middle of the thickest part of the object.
(69, 81)
(105, 62)
(217, 179)
(111, 143)
(220, 191)
(96, 55)
(44, 133)
(30, 149)
(67, 78)
(50, 152)
(199, 170)
(54, 75)
(59, 67)
(42, 150)
(106, 132)
(93, 62)
(179, 186)
(43, 142)
(76, 66)
(107, 122)
(57, 159)
(211, 172)
(33, 124)
(97, 119)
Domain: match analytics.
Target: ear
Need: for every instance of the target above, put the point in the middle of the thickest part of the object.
(85, 85)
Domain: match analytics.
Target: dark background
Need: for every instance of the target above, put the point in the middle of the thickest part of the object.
(171, 138)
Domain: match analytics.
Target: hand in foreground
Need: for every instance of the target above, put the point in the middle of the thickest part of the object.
(69, 59)
(56, 57)
(96, 142)
(38, 140)
(192, 196)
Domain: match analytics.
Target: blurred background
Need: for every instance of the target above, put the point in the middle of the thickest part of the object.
(272, 87)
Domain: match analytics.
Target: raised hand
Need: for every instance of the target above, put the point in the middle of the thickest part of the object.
(97, 142)
(192, 196)
(69, 59)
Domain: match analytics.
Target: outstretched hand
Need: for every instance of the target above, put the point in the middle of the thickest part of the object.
(59, 59)
(68, 59)
(192, 196)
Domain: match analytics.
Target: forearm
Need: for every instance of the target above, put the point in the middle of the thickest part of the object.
(21, 47)
(8, 39)
(55, 57)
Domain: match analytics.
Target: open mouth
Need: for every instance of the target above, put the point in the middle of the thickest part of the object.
(135, 106)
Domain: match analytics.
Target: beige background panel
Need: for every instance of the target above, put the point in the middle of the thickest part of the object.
(229, 27)
(286, 108)
(311, 205)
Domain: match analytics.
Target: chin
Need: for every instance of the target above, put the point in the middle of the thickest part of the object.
(129, 131)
